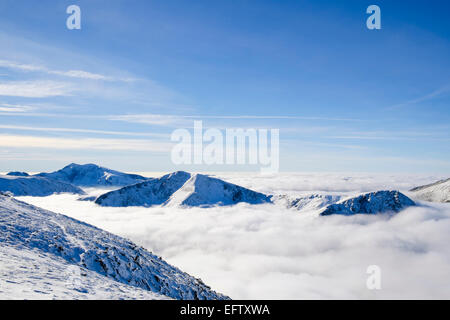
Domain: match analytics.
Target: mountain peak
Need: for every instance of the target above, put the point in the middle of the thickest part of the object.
(370, 203)
(436, 192)
(181, 188)
(90, 175)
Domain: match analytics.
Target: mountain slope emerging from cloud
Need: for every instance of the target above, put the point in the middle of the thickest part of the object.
(28, 228)
(91, 175)
(370, 203)
(435, 192)
(182, 189)
(35, 186)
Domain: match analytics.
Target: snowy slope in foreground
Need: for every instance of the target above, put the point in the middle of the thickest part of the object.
(181, 189)
(25, 227)
(35, 186)
(90, 175)
(435, 192)
(31, 274)
(370, 203)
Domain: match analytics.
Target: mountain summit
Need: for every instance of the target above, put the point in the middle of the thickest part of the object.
(370, 203)
(91, 175)
(435, 192)
(181, 189)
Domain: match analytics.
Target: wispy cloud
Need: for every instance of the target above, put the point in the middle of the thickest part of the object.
(22, 141)
(34, 89)
(6, 107)
(74, 130)
(81, 74)
(429, 96)
(162, 119)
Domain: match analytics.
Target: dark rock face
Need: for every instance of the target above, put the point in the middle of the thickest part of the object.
(370, 203)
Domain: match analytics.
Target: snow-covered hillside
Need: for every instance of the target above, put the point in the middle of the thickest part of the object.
(204, 191)
(90, 175)
(435, 192)
(183, 189)
(35, 186)
(370, 203)
(307, 202)
(31, 274)
(27, 228)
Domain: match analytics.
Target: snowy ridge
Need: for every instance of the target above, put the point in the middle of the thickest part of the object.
(182, 189)
(370, 203)
(308, 202)
(435, 192)
(203, 191)
(17, 174)
(25, 227)
(35, 186)
(90, 175)
(146, 194)
(31, 274)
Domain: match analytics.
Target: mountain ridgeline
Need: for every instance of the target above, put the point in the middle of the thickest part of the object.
(182, 189)
(91, 175)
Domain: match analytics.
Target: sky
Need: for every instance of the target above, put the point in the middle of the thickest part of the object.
(345, 98)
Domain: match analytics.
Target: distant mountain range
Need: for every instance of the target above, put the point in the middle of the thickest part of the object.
(182, 189)
(435, 192)
(66, 180)
(35, 186)
(91, 175)
(40, 235)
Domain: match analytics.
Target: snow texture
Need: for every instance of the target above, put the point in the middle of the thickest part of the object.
(307, 202)
(28, 228)
(35, 186)
(435, 192)
(370, 203)
(90, 175)
(31, 274)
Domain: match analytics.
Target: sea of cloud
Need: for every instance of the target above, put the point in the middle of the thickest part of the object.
(269, 252)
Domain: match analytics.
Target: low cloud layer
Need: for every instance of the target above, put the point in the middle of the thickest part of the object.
(266, 252)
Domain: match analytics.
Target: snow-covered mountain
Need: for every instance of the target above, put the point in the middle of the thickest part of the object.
(91, 175)
(35, 186)
(31, 274)
(435, 192)
(307, 202)
(17, 174)
(181, 189)
(28, 229)
(148, 193)
(370, 203)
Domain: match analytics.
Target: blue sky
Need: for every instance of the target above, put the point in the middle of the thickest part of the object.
(345, 98)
